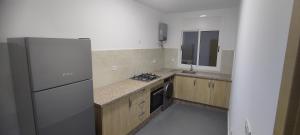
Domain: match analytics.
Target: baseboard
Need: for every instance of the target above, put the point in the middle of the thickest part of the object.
(176, 100)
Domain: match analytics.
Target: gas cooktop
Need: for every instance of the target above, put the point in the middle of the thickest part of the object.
(145, 77)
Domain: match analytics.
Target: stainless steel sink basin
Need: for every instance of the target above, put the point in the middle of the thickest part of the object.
(189, 72)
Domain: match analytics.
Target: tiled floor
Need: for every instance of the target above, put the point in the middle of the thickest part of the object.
(184, 119)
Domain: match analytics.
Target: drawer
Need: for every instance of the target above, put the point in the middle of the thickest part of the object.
(138, 97)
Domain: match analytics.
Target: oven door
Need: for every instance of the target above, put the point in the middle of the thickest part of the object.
(157, 98)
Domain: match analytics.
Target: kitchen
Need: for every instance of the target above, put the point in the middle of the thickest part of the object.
(148, 66)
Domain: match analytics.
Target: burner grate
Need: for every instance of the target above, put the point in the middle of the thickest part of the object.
(145, 77)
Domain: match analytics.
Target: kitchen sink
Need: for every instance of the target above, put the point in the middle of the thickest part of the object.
(189, 72)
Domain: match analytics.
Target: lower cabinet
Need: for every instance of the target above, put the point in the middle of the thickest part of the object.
(139, 108)
(184, 88)
(220, 94)
(123, 115)
(202, 92)
(205, 91)
(115, 120)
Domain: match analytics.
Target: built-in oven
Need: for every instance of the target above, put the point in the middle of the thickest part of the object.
(157, 97)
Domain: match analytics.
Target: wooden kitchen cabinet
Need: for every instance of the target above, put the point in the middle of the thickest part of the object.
(139, 104)
(220, 94)
(115, 118)
(123, 115)
(192, 89)
(202, 91)
(184, 88)
(205, 91)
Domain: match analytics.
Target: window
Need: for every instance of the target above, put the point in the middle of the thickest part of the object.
(189, 48)
(200, 48)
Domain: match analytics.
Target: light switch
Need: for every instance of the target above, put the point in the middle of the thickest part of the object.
(114, 68)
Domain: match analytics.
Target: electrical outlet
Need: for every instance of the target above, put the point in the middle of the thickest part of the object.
(154, 61)
(173, 60)
(248, 130)
(114, 68)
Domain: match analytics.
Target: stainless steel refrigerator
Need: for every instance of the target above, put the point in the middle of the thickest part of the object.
(53, 85)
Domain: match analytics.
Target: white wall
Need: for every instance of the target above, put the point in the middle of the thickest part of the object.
(262, 41)
(226, 20)
(111, 24)
(1, 21)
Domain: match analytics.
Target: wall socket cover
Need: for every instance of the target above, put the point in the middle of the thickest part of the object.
(114, 68)
(248, 130)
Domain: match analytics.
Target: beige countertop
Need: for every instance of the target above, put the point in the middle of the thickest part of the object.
(207, 75)
(109, 93)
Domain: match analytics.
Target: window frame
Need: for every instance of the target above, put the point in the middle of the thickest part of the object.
(217, 68)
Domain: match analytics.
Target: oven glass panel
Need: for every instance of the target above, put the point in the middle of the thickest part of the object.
(156, 99)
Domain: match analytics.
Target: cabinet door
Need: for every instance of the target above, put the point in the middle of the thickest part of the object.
(115, 118)
(146, 105)
(184, 88)
(220, 94)
(135, 110)
(202, 91)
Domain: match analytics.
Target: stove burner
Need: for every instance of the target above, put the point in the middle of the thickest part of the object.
(145, 77)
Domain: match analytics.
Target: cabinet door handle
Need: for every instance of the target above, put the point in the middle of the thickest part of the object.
(130, 102)
(209, 84)
(194, 82)
(141, 114)
(141, 105)
(213, 85)
(142, 102)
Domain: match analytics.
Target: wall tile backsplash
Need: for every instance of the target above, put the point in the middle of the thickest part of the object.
(116, 65)
(111, 66)
(171, 59)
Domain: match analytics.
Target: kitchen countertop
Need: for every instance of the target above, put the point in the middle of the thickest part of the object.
(110, 93)
(208, 75)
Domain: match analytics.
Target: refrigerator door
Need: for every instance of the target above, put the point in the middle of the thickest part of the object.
(55, 62)
(66, 110)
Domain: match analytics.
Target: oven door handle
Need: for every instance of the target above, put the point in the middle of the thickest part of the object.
(167, 86)
(159, 91)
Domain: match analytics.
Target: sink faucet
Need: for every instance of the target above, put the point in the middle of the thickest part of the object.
(191, 69)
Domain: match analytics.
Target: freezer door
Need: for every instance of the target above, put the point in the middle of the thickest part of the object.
(55, 62)
(66, 110)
